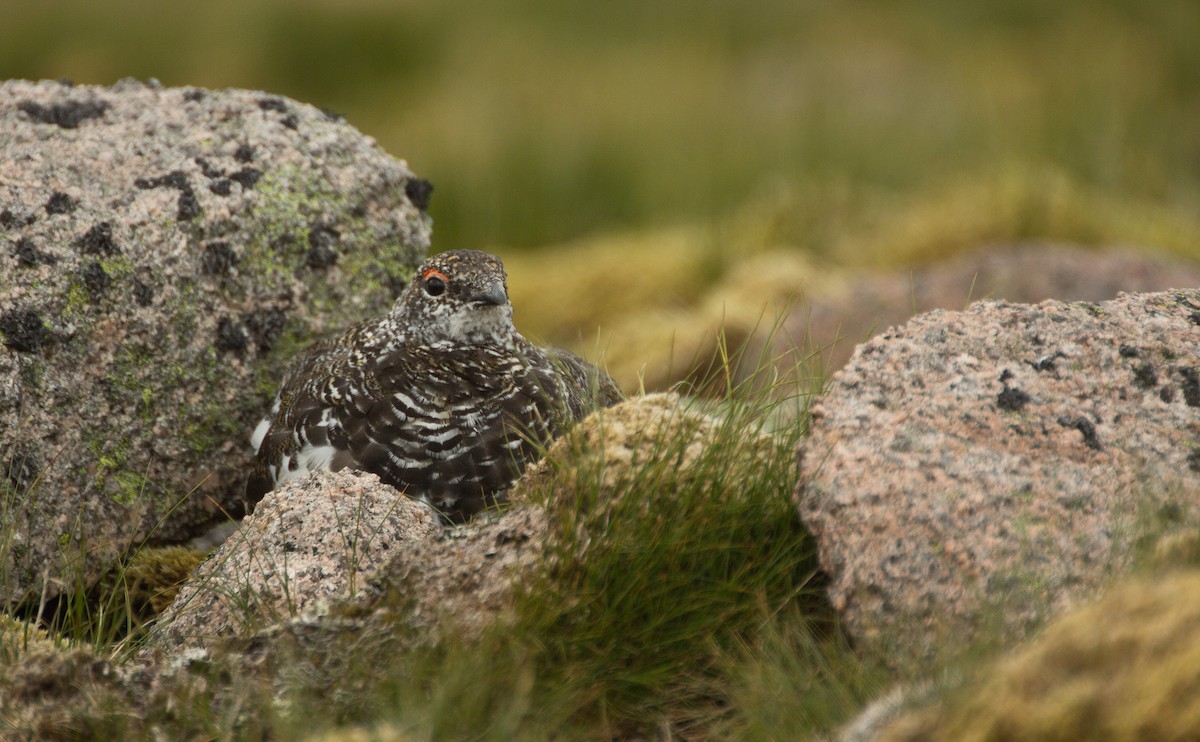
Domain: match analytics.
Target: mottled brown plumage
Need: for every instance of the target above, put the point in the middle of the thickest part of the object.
(441, 398)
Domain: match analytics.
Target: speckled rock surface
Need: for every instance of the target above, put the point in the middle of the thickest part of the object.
(609, 446)
(616, 440)
(463, 581)
(316, 541)
(165, 251)
(997, 461)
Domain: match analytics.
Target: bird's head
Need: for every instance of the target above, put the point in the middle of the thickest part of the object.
(460, 296)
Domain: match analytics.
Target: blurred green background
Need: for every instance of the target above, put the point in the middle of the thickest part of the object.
(541, 121)
(651, 171)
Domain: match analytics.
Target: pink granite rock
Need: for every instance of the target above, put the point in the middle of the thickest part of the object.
(163, 251)
(998, 462)
(463, 581)
(317, 541)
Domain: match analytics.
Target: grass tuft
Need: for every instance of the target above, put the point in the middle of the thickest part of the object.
(674, 538)
(791, 679)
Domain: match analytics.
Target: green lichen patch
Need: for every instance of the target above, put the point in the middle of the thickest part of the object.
(77, 300)
(292, 201)
(112, 476)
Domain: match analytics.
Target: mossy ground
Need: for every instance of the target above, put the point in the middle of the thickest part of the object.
(677, 598)
(1122, 668)
(664, 591)
(651, 303)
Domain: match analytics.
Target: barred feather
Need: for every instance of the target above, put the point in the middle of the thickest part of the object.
(441, 398)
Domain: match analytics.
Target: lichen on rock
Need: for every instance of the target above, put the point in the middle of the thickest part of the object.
(159, 274)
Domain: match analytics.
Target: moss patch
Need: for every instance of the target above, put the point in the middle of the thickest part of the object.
(1124, 668)
(154, 575)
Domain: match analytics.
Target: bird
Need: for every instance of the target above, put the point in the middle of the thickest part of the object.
(442, 397)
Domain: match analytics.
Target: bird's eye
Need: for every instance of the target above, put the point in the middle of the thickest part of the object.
(435, 282)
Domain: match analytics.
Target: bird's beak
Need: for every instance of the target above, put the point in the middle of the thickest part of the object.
(494, 294)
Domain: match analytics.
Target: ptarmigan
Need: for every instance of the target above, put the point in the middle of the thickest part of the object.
(442, 397)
